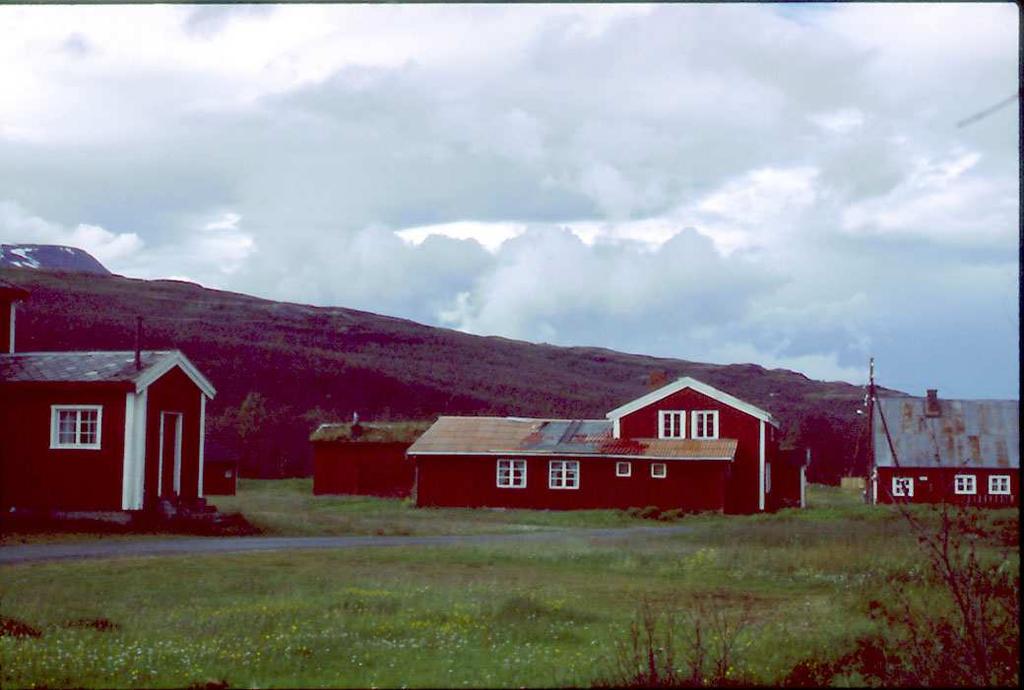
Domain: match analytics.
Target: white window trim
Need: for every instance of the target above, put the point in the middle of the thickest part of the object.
(897, 487)
(970, 484)
(681, 426)
(693, 423)
(55, 427)
(664, 470)
(628, 467)
(512, 464)
(992, 484)
(564, 466)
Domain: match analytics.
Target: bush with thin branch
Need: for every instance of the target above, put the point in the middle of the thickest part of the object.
(672, 648)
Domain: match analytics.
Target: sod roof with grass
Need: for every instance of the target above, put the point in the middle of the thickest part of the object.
(374, 432)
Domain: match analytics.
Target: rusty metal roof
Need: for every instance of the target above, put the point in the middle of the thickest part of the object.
(967, 433)
(516, 435)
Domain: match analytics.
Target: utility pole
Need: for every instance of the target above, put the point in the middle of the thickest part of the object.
(870, 479)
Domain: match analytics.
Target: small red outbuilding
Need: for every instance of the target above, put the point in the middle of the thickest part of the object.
(685, 446)
(364, 459)
(98, 431)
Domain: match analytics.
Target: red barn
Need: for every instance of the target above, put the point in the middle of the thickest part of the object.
(98, 431)
(684, 446)
(929, 450)
(364, 459)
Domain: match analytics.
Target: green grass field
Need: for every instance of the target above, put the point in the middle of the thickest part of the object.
(288, 507)
(537, 614)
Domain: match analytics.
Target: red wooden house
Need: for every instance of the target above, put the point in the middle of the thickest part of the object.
(98, 431)
(930, 450)
(684, 446)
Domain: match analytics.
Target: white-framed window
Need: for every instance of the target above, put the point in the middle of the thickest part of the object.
(903, 486)
(659, 470)
(623, 469)
(511, 474)
(965, 484)
(704, 424)
(563, 474)
(76, 426)
(671, 424)
(999, 484)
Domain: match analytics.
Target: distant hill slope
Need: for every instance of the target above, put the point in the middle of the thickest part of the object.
(281, 368)
(52, 257)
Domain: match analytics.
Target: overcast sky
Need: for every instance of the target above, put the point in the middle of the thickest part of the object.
(784, 185)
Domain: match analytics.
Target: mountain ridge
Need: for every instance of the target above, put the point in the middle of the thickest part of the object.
(56, 257)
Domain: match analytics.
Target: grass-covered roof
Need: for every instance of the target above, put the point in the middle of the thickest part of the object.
(370, 432)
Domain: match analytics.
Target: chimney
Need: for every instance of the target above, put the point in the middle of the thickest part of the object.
(931, 404)
(10, 295)
(138, 343)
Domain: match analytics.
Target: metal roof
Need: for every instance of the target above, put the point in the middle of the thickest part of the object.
(967, 433)
(12, 291)
(98, 367)
(75, 367)
(593, 437)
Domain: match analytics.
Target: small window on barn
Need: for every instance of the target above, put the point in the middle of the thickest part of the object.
(965, 484)
(512, 474)
(659, 470)
(705, 424)
(903, 486)
(623, 469)
(999, 484)
(563, 474)
(671, 424)
(76, 426)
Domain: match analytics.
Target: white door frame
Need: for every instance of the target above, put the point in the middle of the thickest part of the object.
(177, 454)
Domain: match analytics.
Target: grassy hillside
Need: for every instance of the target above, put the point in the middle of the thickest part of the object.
(283, 368)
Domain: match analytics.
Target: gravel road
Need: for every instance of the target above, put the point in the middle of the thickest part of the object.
(31, 553)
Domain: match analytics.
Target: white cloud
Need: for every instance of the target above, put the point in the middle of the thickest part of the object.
(489, 235)
(942, 201)
(842, 121)
(19, 226)
(689, 180)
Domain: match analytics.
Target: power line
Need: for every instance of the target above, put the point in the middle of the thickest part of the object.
(988, 111)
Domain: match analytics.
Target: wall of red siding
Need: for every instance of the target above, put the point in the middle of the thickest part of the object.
(939, 483)
(34, 476)
(373, 469)
(471, 481)
(219, 478)
(743, 480)
(173, 392)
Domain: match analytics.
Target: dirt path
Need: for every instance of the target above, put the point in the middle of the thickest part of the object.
(31, 553)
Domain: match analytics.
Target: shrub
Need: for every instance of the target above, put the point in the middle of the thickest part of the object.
(967, 636)
(13, 627)
(654, 653)
(99, 624)
(650, 513)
